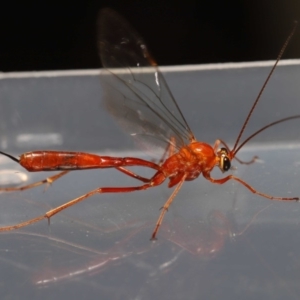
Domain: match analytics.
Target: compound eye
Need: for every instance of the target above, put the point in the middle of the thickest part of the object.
(226, 164)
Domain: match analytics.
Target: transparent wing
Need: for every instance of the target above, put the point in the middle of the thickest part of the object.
(136, 92)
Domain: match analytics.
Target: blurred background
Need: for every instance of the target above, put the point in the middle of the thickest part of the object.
(57, 35)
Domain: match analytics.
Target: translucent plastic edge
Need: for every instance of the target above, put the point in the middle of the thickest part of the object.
(166, 69)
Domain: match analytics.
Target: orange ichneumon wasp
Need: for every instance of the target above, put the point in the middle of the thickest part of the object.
(141, 101)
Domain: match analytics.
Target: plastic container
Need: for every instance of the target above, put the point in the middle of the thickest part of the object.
(215, 242)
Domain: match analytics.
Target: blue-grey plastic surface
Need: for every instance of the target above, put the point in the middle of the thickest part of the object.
(216, 242)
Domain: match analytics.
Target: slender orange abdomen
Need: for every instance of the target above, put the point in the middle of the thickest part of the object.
(54, 160)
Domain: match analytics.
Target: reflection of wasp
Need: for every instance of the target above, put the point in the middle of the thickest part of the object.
(203, 241)
(204, 238)
(142, 102)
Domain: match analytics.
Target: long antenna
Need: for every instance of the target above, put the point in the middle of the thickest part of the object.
(264, 85)
(262, 129)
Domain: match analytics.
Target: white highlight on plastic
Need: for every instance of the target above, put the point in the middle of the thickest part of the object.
(31, 139)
